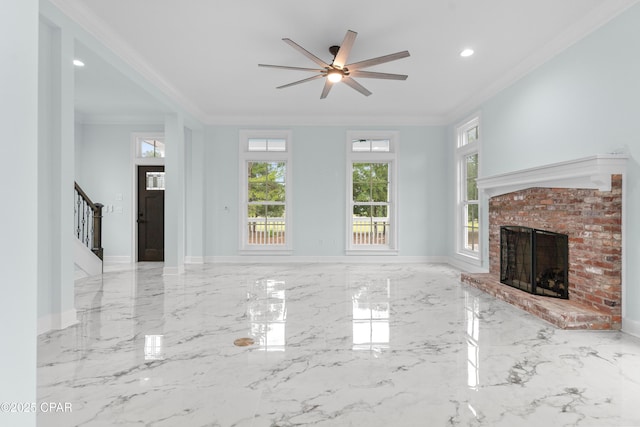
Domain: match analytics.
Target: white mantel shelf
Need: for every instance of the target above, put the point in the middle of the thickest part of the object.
(590, 172)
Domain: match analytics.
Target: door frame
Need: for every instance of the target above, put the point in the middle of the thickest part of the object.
(135, 162)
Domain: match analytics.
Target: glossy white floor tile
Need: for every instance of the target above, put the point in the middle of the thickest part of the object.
(335, 345)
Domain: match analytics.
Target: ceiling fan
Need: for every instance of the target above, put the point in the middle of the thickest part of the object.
(339, 70)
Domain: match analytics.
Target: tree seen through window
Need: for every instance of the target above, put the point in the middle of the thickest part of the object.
(266, 202)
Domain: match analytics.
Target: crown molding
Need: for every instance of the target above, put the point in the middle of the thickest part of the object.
(325, 120)
(96, 27)
(595, 19)
(125, 119)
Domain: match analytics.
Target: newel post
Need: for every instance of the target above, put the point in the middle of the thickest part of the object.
(97, 230)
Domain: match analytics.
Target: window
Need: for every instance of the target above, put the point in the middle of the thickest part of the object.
(265, 165)
(371, 204)
(155, 180)
(468, 231)
(150, 147)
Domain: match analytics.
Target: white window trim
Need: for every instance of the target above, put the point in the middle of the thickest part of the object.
(246, 156)
(392, 158)
(461, 152)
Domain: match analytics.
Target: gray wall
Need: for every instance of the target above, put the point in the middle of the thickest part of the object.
(104, 170)
(319, 190)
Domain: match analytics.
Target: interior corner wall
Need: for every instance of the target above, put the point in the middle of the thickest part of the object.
(582, 102)
(319, 190)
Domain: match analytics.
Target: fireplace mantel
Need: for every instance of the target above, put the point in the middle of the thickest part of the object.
(592, 172)
(583, 199)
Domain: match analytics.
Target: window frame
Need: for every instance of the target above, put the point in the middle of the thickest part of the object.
(465, 149)
(140, 138)
(390, 157)
(245, 157)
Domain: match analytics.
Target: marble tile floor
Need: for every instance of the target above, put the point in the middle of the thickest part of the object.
(335, 345)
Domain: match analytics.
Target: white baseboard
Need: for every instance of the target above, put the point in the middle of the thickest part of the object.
(631, 327)
(68, 318)
(173, 271)
(194, 260)
(57, 321)
(465, 266)
(355, 259)
(117, 259)
(45, 324)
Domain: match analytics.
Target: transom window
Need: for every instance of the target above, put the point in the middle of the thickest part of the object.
(265, 164)
(150, 147)
(267, 144)
(468, 241)
(370, 145)
(371, 216)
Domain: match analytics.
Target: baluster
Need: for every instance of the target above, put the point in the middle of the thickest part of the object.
(77, 209)
(87, 225)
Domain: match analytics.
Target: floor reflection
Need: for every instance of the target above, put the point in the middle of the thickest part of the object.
(153, 347)
(472, 332)
(268, 314)
(370, 301)
(149, 327)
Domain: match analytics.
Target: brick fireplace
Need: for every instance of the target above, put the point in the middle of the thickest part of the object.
(582, 199)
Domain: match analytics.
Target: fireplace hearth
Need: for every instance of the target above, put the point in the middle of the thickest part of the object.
(582, 199)
(535, 261)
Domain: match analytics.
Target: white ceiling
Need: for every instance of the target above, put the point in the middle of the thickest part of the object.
(203, 54)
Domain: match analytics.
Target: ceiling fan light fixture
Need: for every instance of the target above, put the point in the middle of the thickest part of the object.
(334, 76)
(339, 69)
(466, 53)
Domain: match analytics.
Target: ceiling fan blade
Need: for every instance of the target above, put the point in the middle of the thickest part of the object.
(357, 86)
(345, 49)
(373, 75)
(327, 87)
(286, 67)
(306, 53)
(301, 81)
(379, 60)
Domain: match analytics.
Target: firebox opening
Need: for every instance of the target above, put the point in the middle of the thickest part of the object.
(535, 261)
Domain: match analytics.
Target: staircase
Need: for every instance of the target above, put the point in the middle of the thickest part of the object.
(88, 252)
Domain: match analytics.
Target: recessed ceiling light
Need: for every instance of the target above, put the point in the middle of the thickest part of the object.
(78, 63)
(466, 53)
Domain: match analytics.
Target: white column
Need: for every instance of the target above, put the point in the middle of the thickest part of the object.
(19, 216)
(55, 182)
(65, 176)
(174, 202)
(195, 197)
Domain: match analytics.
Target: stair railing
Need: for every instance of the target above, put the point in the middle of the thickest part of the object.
(88, 221)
